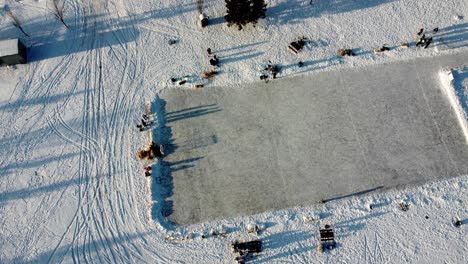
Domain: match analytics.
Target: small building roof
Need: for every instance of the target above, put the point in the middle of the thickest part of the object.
(8, 47)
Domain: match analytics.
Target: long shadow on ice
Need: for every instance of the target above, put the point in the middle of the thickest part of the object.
(352, 194)
(191, 112)
(162, 187)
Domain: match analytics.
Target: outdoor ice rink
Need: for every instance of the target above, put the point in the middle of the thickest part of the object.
(296, 141)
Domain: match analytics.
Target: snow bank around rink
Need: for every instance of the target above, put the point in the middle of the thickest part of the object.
(455, 86)
(382, 234)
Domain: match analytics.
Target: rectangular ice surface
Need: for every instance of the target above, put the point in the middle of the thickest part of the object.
(297, 141)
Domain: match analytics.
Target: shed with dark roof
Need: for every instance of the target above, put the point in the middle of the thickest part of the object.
(12, 52)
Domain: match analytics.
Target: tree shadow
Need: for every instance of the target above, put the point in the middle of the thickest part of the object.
(381, 204)
(460, 77)
(6, 106)
(73, 43)
(162, 187)
(36, 163)
(293, 11)
(84, 33)
(29, 192)
(162, 184)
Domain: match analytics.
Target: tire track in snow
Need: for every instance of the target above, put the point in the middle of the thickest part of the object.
(109, 210)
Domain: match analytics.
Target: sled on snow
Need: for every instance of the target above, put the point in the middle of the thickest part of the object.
(297, 46)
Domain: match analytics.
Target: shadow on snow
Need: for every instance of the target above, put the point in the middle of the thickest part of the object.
(162, 180)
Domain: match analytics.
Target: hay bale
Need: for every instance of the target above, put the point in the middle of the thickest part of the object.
(319, 248)
(209, 74)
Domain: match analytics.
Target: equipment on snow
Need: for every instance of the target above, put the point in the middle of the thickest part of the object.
(297, 46)
(243, 248)
(327, 237)
(345, 52)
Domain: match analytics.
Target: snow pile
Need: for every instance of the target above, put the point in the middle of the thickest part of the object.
(455, 86)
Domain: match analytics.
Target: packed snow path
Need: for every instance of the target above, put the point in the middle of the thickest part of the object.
(297, 141)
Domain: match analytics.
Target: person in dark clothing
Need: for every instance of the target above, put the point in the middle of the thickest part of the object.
(421, 41)
(147, 171)
(384, 48)
(420, 31)
(208, 51)
(428, 42)
(214, 61)
(435, 30)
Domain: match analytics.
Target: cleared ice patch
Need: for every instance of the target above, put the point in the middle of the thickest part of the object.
(455, 85)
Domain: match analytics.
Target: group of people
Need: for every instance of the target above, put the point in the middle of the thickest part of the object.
(270, 69)
(153, 150)
(423, 41)
(214, 61)
(145, 122)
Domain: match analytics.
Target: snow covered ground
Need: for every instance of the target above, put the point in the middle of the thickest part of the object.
(72, 189)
